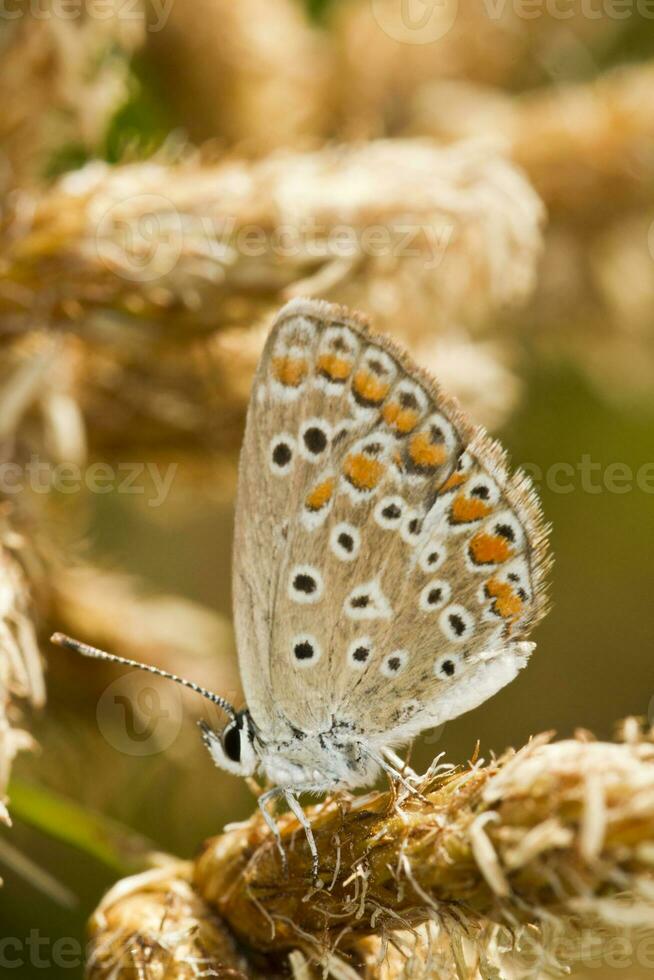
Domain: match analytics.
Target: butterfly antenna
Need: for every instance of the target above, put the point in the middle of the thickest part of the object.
(62, 640)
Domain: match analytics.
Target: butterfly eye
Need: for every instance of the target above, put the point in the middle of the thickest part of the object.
(231, 742)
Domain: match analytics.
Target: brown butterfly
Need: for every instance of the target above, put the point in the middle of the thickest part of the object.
(387, 569)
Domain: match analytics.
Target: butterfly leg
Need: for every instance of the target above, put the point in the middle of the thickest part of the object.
(396, 773)
(296, 809)
(401, 766)
(272, 823)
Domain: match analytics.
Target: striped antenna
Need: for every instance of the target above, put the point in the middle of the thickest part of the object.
(88, 651)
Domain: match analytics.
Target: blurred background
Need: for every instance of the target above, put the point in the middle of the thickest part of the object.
(479, 178)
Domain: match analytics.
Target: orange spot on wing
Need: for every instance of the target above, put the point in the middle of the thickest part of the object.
(453, 481)
(401, 419)
(370, 388)
(489, 549)
(290, 371)
(335, 367)
(465, 509)
(363, 472)
(426, 453)
(507, 603)
(321, 494)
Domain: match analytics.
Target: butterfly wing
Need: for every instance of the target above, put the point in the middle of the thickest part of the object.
(387, 568)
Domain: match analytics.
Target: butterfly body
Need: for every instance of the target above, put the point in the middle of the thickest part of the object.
(318, 762)
(314, 761)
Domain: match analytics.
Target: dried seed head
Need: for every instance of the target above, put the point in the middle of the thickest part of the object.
(153, 926)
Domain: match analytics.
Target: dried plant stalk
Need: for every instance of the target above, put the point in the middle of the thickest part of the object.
(394, 227)
(601, 284)
(42, 425)
(585, 147)
(387, 50)
(155, 926)
(21, 674)
(558, 830)
(493, 866)
(102, 394)
(253, 73)
(163, 271)
(62, 78)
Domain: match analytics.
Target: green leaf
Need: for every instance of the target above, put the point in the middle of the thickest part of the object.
(106, 840)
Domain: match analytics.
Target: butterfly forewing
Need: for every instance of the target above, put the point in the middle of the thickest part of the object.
(382, 554)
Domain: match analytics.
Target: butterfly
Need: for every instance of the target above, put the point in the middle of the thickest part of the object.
(387, 569)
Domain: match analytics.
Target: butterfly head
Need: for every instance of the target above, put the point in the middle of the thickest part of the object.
(233, 749)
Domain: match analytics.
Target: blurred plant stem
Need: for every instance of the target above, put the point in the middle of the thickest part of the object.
(63, 75)
(158, 280)
(116, 846)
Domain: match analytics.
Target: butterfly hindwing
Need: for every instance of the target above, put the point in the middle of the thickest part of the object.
(387, 569)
